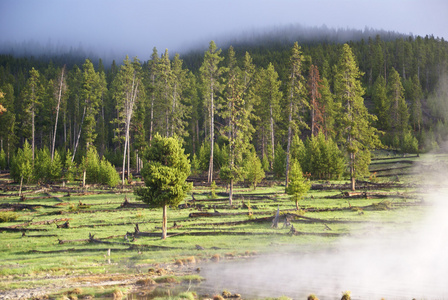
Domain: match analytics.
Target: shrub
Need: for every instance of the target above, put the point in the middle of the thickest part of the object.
(7, 216)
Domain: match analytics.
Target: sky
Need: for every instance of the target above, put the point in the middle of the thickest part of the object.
(134, 27)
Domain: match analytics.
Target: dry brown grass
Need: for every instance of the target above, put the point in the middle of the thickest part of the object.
(117, 294)
(215, 257)
(146, 282)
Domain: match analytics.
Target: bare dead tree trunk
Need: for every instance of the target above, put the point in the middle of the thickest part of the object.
(272, 136)
(129, 106)
(288, 147)
(79, 134)
(57, 113)
(164, 222)
(212, 134)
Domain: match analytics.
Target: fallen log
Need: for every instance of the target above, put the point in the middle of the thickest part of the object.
(218, 214)
(293, 218)
(324, 234)
(20, 229)
(79, 250)
(39, 235)
(396, 157)
(127, 204)
(40, 223)
(112, 224)
(255, 220)
(20, 206)
(90, 239)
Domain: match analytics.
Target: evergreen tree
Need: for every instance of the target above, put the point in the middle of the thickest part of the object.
(253, 169)
(267, 110)
(298, 185)
(415, 95)
(296, 100)
(90, 93)
(127, 86)
(31, 100)
(153, 66)
(179, 109)
(22, 164)
(398, 110)
(327, 109)
(381, 102)
(211, 77)
(317, 109)
(237, 114)
(354, 124)
(165, 174)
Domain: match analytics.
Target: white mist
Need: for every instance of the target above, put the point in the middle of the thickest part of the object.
(403, 263)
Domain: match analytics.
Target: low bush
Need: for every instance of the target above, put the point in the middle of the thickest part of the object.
(8, 216)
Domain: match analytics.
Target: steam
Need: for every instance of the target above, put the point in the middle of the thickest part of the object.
(405, 262)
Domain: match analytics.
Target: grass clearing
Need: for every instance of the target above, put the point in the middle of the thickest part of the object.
(100, 236)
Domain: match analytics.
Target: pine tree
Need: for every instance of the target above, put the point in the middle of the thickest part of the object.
(237, 114)
(296, 100)
(354, 124)
(31, 97)
(327, 109)
(381, 102)
(267, 110)
(253, 169)
(298, 185)
(415, 96)
(398, 110)
(179, 110)
(90, 95)
(211, 77)
(166, 92)
(153, 66)
(127, 85)
(165, 174)
(317, 109)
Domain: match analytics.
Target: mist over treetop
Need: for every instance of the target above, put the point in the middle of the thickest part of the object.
(270, 37)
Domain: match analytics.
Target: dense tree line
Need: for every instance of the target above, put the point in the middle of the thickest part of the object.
(341, 100)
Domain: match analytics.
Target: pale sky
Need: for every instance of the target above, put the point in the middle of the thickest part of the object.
(136, 26)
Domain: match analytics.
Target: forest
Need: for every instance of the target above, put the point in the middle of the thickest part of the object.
(239, 111)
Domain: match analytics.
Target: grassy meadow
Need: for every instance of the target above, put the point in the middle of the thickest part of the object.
(96, 234)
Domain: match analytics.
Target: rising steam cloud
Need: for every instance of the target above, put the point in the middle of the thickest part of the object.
(405, 262)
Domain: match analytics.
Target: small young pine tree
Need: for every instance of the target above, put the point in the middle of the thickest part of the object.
(55, 170)
(69, 167)
(279, 166)
(42, 164)
(253, 169)
(22, 164)
(92, 166)
(298, 185)
(108, 175)
(3, 162)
